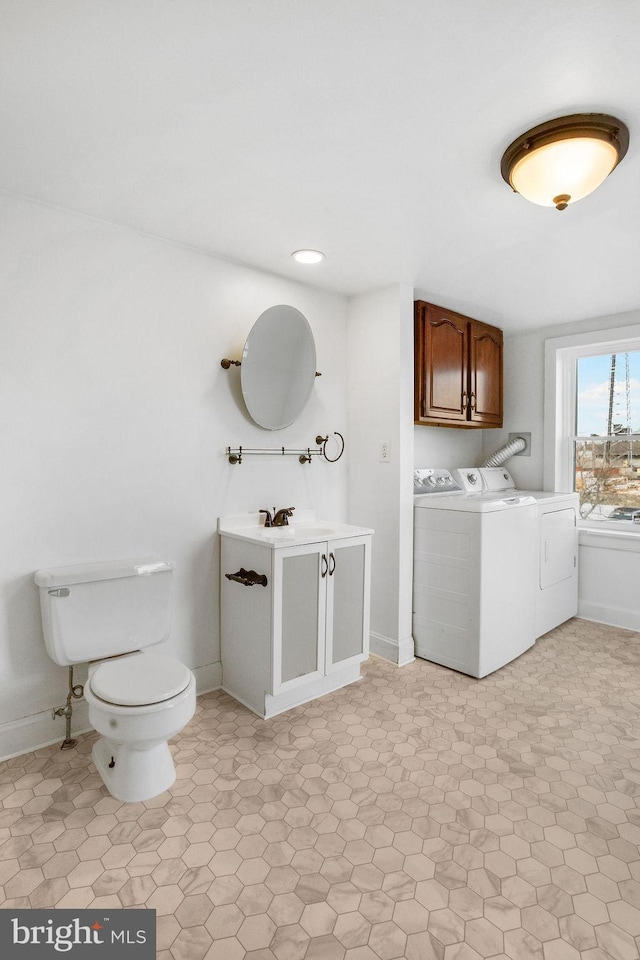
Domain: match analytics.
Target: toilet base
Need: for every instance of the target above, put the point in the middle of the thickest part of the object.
(131, 773)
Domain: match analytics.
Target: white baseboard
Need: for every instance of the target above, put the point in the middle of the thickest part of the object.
(612, 616)
(400, 652)
(42, 729)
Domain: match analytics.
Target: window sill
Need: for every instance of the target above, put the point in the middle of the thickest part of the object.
(608, 535)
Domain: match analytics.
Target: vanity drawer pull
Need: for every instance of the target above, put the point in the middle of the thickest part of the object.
(249, 578)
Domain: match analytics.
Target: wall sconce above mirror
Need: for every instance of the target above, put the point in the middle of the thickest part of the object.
(278, 367)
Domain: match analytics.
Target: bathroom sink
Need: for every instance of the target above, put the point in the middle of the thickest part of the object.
(318, 529)
(300, 531)
(305, 529)
(277, 533)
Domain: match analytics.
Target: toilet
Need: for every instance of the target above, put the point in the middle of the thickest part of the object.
(113, 615)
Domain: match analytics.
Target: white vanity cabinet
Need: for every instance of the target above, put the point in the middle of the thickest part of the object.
(303, 632)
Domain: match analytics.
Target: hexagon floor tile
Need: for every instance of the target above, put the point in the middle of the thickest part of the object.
(416, 814)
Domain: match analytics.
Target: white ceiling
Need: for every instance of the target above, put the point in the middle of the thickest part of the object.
(369, 129)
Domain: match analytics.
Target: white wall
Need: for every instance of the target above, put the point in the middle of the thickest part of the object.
(447, 447)
(605, 571)
(609, 575)
(114, 417)
(380, 371)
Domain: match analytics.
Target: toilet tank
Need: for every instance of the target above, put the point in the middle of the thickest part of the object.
(97, 610)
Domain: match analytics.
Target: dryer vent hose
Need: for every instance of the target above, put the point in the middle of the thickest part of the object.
(503, 453)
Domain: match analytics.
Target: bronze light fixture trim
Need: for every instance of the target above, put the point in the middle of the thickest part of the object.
(563, 160)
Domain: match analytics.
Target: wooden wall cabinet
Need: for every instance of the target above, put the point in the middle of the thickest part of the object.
(458, 369)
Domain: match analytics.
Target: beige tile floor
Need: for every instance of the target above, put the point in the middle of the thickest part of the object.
(418, 813)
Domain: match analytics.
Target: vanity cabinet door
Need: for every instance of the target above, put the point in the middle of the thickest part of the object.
(347, 601)
(321, 610)
(299, 617)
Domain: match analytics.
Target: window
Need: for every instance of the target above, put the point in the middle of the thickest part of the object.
(606, 444)
(592, 422)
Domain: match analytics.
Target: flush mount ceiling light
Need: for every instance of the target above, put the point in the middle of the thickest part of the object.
(564, 160)
(307, 256)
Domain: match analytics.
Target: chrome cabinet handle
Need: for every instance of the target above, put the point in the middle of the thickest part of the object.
(325, 566)
(332, 564)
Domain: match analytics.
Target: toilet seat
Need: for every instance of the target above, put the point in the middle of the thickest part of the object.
(139, 680)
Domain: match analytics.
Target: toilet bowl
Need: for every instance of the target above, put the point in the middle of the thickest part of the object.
(137, 702)
(109, 614)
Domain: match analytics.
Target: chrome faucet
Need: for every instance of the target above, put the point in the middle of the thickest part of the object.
(281, 517)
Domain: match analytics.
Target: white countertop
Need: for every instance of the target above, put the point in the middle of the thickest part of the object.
(302, 528)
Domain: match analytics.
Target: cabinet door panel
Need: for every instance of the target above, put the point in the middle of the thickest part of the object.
(486, 374)
(441, 366)
(348, 595)
(300, 621)
(348, 611)
(446, 368)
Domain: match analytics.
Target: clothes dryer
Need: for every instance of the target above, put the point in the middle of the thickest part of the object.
(556, 589)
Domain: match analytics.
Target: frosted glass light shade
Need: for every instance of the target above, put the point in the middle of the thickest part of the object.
(564, 160)
(568, 167)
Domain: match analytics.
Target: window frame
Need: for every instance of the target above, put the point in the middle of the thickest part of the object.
(560, 385)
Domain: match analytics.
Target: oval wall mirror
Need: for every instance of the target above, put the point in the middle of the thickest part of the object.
(278, 367)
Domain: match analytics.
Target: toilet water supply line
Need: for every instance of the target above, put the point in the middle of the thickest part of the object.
(503, 453)
(67, 711)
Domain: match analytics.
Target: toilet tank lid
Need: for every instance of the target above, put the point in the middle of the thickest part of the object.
(103, 570)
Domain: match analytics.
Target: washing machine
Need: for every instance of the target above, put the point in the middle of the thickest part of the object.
(474, 574)
(556, 590)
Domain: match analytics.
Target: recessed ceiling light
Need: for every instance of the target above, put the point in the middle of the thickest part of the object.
(307, 256)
